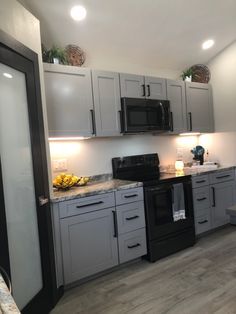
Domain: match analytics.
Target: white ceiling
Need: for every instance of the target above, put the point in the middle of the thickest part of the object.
(158, 33)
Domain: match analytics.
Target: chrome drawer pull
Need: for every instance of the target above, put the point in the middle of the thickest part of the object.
(129, 196)
(133, 217)
(201, 199)
(202, 222)
(133, 246)
(90, 204)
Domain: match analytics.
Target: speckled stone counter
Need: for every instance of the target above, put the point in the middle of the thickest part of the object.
(7, 304)
(94, 188)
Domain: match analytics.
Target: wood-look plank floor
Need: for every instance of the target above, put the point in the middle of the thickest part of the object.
(201, 279)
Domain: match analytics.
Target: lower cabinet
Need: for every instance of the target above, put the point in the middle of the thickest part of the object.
(211, 199)
(95, 233)
(89, 244)
(223, 196)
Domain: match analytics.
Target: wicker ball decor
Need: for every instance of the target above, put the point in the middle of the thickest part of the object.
(201, 73)
(75, 55)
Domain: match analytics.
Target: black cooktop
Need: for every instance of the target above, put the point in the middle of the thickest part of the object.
(142, 168)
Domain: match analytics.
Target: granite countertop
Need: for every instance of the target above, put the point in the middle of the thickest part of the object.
(94, 188)
(7, 304)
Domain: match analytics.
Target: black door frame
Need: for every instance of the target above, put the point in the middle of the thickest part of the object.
(46, 299)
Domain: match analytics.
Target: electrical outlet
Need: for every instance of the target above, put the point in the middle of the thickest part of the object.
(59, 165)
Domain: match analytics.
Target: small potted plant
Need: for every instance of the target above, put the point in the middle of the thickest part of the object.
(187, 75)
(57, 55)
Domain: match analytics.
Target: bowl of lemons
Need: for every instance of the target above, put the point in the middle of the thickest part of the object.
(65, 181)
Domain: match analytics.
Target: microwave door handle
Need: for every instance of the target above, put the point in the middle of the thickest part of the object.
(163, 114)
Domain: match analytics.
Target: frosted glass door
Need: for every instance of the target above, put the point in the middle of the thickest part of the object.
(19, 189)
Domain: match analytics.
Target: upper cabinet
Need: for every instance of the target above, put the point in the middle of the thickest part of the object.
(176, 96)
(107, 104)
(199, 107)
(138, 86)
(69, 101)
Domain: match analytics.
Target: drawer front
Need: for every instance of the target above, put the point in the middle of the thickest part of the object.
(203, 223)
(222, 176)
(199, 181)
(132, 245)
(201, 200)
(86, 205)
(130, 217)
(129, 196)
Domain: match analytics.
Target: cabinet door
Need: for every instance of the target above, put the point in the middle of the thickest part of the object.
(176, 96)
(69, 100)
(199, 107)
(155, 87)
(106, 92)
(222, 196)
(88, 244)
(132, 85)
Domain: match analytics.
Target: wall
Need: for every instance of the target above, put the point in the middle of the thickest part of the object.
(222, 144)
(24, 27)
(93, 156)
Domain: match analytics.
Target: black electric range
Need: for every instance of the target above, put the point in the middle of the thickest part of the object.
(168, 204)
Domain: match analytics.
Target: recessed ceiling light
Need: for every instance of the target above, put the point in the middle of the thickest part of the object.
(8, 75)
(208, 44)
(78, 13)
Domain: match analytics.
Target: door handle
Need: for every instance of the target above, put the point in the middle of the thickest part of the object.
(43, 200)
(121, 121)
(149, 91)
(90, 204)
(131, 218)
(144, 92)
(213, 197)
(190, 121)
(171, 122)
(115, 224)
(130, 196)
(133, 246)
(93, 121)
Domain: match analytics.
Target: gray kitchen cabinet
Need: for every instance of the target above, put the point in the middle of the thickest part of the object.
(69, 101)
(222, 197)
(89, 244)
(131, 225)
(138, 86)
(155, 87)
(107, 104)
(212, 194)
(176, 96)
(132, 85)
(199, 107)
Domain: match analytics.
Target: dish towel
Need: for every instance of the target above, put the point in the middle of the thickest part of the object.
(178, 203)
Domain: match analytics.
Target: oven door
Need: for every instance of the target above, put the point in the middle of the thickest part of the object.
(166, 213)
(141, 115)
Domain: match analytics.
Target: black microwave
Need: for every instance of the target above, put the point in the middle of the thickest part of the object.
(145, 115)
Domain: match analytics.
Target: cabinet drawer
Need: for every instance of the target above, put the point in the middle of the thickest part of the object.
(130, 217)
(129, 196)
(199, 181)
(202, 223)
(221, 176)
(132, 245)
(201, 200)
(86, 205)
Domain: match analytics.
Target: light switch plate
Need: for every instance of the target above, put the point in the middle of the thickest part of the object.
(59, 165)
